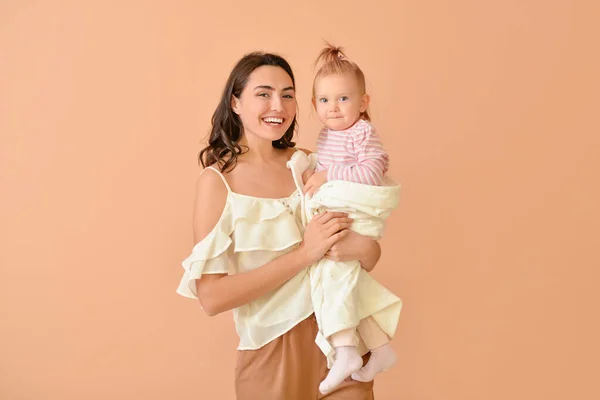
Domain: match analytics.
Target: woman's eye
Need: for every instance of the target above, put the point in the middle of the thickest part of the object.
(263, 94)
(288, 96)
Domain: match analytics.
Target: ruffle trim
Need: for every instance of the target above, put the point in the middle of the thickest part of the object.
(250, 224)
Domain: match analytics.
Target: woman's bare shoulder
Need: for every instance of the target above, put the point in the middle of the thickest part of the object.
(209, 202)
(211, 181)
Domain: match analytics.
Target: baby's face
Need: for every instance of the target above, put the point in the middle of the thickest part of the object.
(339, 101)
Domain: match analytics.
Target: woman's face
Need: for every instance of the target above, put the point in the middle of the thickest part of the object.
(267, 105)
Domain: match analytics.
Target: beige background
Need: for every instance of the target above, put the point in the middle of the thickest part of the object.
(488, 109)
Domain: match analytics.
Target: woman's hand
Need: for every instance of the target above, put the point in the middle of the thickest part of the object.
(355, 246)
(322, 232)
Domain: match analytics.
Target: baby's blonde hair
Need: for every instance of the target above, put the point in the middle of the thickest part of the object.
(333, 61)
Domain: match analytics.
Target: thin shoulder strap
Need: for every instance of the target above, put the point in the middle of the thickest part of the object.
(220, 174)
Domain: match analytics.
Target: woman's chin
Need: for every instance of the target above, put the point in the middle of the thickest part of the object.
(274, 132)
(269, 135)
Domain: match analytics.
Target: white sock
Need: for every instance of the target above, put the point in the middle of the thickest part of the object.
(347, 361)
(382, 358)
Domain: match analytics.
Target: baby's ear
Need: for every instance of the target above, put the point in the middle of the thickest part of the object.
(364, 102)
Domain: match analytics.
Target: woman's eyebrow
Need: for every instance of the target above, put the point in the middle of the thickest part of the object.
(267, 87)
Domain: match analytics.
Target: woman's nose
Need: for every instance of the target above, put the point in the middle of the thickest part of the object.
(276, 103)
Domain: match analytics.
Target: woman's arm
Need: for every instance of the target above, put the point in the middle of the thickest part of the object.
(218, 293)
(356, 247)
(221, 292)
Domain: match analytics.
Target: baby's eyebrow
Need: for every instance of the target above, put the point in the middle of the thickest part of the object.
(339, 94)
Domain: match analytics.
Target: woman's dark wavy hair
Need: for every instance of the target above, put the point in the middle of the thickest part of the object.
(223, 143)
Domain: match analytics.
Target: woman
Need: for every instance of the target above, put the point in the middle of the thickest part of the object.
(252, 251)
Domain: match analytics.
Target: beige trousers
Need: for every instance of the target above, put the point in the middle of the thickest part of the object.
(291, 368)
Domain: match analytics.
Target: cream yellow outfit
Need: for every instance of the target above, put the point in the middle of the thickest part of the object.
(343, 293)
(251, 232)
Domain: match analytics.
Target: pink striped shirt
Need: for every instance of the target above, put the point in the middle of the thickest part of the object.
(354, 154)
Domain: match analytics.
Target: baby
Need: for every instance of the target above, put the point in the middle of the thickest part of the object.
(348, 174)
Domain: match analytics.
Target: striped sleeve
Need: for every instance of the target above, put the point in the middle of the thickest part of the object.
(371, 160)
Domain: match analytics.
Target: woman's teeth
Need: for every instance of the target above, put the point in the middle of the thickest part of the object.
(272, 120)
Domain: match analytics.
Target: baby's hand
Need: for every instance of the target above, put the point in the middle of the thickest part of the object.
(315, 181)
(307, 174)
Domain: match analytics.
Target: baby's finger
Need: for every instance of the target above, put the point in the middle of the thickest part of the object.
(308, 186)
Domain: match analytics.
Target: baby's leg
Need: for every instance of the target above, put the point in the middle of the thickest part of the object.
(347, 360)
(383, 356)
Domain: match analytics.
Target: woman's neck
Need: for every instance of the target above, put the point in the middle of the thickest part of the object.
(259, 150)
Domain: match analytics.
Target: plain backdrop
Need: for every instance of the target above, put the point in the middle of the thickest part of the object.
(489, 111)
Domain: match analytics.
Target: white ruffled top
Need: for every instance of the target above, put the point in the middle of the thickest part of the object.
(251, 232)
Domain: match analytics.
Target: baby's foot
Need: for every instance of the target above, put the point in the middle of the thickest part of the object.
(382, 358)
(347, 361)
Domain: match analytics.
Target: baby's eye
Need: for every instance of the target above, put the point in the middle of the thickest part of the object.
(344, 98)
(322, 100)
